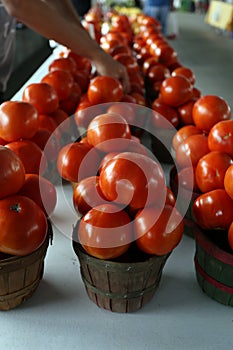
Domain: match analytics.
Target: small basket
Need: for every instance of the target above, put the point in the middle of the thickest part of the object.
(214, 268)
(20, 276)
(189, 225)
(120, 286)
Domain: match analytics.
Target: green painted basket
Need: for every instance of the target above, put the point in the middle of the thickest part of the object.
(214, 269)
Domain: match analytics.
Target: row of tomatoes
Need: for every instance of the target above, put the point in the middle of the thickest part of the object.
(204, 157)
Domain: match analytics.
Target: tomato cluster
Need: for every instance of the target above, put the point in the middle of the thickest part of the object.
(204, 150)
(119, 191)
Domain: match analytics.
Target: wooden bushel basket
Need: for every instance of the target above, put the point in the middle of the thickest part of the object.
(20, 276)
(120, 286)
(214, 269)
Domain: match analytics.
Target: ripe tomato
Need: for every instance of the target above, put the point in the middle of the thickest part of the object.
(124, 109)
(46, 122)
(120, 48)
(157, 72)
(63, 63)
(185, 112)
(41, 191)
(211, 169)
(103, 89)
(186, 72)
(87, 194)
(85, 112)
(220, 137)
(42, 96)
(228, 181)
(165, 54)
(148, 63)
(157, 232)
(31, 155)
(48, 143)
(164, 116)
(186, 179)
(191, 150)
(182, 134)
(62, 82)
(133, 179)
(23, 225)
(209, 110)
(128, 61)
(213, 210)
(105, 231)
(12, 175)
(176, 90)
(230, 236)
(108, 132)
(77, 160)
(70, 104)
(17, 120)
(170, 198)
(62, 119)
(82, 63)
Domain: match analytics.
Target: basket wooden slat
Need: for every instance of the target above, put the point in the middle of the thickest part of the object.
(20, 276)
(214, 269)
(120, 286)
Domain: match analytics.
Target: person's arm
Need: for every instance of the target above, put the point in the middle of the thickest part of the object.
(59, 21)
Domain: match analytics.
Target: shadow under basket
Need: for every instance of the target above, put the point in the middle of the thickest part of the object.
(120, 286)
(20, 275)
(214, 269)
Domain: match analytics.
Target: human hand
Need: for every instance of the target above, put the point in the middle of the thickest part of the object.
(106, 65)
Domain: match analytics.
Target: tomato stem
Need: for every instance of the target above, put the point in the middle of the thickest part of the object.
(16, 207)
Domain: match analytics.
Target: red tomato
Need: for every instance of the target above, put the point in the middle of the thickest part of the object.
(17, 120)
(105, 231)
(157, 72)
(63, 63)
(62, 82)
(228, 181)
(191, 150)
(164, 117)
(230, 236)
(85, 112)
(77, 160)
(41, 191)
(148, 63)
(108, 132)
(220, 137)
(186, 179)
(185, 112)
(124, 109)
(103, 89)
(183, 133)
(12, 174)
(23, 225)
(186, 72)
(87, 194)
(165, 54)
(128, 61)
(211, 169)
(46, 122)
(175, 91)
(133, 179)
(157, 232)
(82, 63)
(42, 96)
(82, 79)
(48, 143)
(209, 110)
(120, 48)
(62, 119)
(170, 198)
(213, 210)
(70, 104)
(31, 155)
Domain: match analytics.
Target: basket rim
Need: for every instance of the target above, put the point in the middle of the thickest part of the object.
(211, 248)
(79, 250)
(211, 280)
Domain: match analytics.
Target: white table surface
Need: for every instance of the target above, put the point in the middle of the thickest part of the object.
(61, 316)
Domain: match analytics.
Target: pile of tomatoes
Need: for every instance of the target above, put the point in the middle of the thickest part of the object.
(204, 157)
(120, 192)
